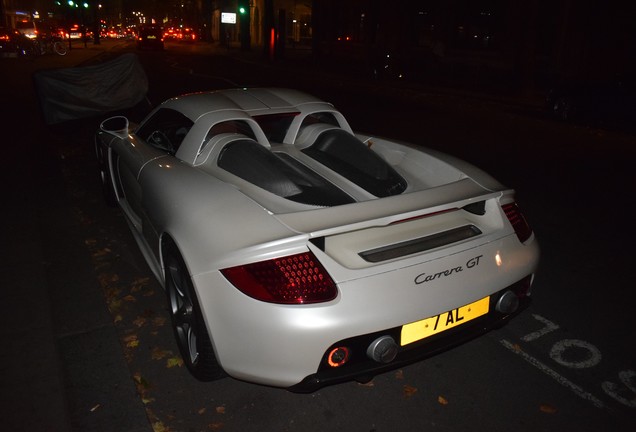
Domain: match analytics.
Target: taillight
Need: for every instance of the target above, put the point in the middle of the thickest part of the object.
(518, 221)
(293, 279)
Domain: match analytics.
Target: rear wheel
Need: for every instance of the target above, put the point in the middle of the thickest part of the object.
(187, 320)
(59, 48)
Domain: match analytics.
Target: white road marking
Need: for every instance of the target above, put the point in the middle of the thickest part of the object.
(553, 374)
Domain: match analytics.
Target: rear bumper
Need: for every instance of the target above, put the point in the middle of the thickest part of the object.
(362, 368)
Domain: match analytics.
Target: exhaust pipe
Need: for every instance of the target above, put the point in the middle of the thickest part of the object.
(383, 349)
(507, 303)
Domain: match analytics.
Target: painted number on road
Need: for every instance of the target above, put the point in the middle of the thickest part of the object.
(578, 354)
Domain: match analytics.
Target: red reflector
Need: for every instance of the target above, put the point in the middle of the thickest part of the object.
(518, 221)
(294, 279)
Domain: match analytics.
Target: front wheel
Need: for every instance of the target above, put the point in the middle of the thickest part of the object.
(187, 320)
(105, 178)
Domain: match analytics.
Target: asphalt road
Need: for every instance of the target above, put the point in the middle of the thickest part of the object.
(567, 363)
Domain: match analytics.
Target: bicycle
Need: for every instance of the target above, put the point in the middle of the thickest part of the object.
(51, 45)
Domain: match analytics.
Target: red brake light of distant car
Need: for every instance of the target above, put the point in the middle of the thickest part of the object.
(293, 279)
(518, 221)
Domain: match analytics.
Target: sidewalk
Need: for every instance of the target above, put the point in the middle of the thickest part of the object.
(34, 375)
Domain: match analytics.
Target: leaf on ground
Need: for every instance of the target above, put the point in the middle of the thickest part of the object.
(118, 318)
(159, 427)
(131, 341)
(367, 384)
(147, 401)
(130, 298)
(409, 390)
(201, 411)
(442, 400)
(105, 279)
(138, 284)
(399, 374)
(547, 408)
(159, 321)
(141, 381)
(158, 354)
(140, 321)
(215, 426)
(114, 305)
(174, 361)
(220, 409)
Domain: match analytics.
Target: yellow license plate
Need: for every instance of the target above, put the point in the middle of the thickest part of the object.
(428, 327)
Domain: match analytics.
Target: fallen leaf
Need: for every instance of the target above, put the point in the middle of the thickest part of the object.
(158, 354)
(118, 318)
(131, 341)
(95, 408)
(220, 410)
(174, 361)
(399, 374)
(130, 298)
(159, 427)
(215, 426)
(201, 411)
(409, 390)
(367, 384)
(159, 321)
(114, 305)
(442, 400)
(146, 401)
(548, 409)
(138, 284)
(139, 321)
(141, 381)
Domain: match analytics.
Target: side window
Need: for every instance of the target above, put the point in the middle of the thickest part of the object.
(165, 130)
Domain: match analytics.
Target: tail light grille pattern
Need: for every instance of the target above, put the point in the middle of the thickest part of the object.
(294, 279)
(518, 221)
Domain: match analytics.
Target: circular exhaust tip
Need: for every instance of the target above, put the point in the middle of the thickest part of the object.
(383, 349)
(508, 303)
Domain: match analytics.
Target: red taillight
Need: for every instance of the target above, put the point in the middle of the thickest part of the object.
(294, 279)
(518, 221)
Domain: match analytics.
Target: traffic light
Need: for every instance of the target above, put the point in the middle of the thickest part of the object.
(244, 22)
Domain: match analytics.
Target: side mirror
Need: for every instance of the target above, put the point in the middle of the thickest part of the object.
(117, 126)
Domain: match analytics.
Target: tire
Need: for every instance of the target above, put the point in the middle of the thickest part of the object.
(104, 175)
(189, 328)
(59, 48)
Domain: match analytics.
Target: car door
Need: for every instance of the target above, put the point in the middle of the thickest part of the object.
(159, 136)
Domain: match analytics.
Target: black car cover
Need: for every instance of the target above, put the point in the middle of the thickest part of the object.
(80, 92)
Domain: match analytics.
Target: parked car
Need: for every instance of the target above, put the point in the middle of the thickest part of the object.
(27, 28)
(150, 38)
(297, 253)
(13, 43)
(8, 42)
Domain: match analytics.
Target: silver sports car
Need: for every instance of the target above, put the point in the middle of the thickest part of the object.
(297, 253)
